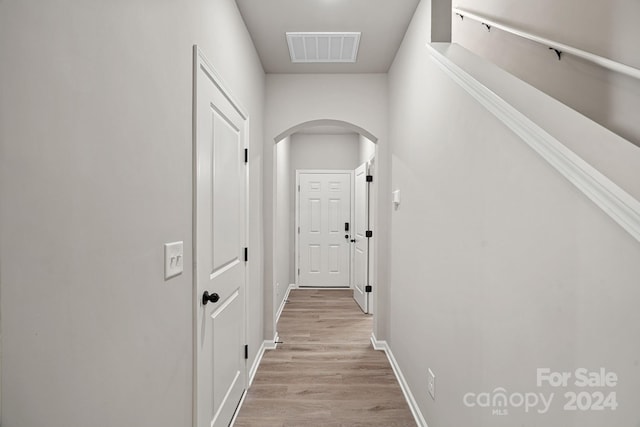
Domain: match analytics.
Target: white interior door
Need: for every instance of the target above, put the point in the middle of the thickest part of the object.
(324, 211)
(361, 244)
(219, 235)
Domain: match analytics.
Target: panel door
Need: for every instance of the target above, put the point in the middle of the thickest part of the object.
(324, 211)
(361, 244)
(219, 233)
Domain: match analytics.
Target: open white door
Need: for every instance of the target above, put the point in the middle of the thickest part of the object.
(219, 254)
(361, 244)
(324, 221)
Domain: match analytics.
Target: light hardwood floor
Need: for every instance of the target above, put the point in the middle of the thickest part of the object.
(325, 373)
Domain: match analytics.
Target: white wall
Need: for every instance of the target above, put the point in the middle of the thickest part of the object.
(240, 67)
(359, 99)
(608, 29)
(283, 238)
(317, 151)
(499, 265)
(95, 175)
(366, 149)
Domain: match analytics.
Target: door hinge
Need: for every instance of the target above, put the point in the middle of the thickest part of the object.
(246, 254)
(369, 178)
(369, 233)
(367, 288)
(246, 155)
(298, 230)
(298, 272)
(298, 188)
(246, 351)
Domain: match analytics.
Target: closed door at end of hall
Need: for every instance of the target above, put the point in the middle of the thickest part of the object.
(324, 219)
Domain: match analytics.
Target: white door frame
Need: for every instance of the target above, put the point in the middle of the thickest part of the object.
(368, 278)
(201, 62)
(297, 219)
(373, 191)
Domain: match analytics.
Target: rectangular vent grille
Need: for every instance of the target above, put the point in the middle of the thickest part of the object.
(323, 47)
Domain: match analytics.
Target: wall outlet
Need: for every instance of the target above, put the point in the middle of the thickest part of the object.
(431, 384)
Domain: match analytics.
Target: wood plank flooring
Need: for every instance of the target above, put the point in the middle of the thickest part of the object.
(326, 373)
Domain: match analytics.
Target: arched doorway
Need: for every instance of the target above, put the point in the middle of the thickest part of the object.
(339, 145)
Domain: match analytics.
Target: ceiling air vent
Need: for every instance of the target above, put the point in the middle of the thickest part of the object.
(323, 47)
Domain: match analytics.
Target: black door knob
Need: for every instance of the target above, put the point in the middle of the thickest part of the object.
(206, 298)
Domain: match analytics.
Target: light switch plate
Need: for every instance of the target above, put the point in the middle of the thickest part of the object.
(396, 199)
(431, 384)
(173, 259)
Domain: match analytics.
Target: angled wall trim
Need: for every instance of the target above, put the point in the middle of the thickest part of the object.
(408, 395)
(613, 200)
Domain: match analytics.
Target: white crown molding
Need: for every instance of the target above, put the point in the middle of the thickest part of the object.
(613, 200)
(408, 395)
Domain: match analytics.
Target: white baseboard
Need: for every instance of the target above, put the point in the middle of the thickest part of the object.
(271, 344)
(378, 345)
(284, 301)
(235, 414)
(256, 363)
(382, 345)
(266, 345)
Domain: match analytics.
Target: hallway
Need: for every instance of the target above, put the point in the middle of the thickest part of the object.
(325, 372)
(149, 155)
